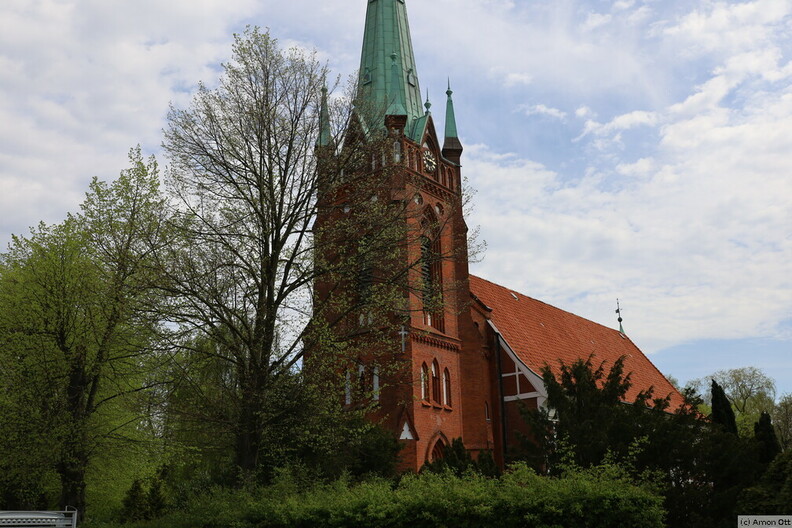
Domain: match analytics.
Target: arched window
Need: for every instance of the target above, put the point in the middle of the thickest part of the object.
(432, 281)
(446, 388)
(435, 382)
(375, 379)
(438, 451)
(361, 379)
(424, 382)
(348, 388)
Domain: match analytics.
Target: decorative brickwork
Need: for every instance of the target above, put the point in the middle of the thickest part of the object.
(472, 362)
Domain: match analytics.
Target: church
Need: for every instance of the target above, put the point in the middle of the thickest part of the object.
(476, 360)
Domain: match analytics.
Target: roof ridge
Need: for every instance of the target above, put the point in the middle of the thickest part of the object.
(554, 307)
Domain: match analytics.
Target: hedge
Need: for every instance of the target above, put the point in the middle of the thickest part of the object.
(520, 498)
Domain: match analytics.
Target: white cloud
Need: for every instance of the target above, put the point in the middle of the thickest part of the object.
(540, 109)
(517, 79)
(584, 112)
(688, 224)
(696, 234)
(730, 27)
(595, 20)
(619, 124)
(622, 5)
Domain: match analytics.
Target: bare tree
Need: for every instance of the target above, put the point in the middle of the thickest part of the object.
(279, 191)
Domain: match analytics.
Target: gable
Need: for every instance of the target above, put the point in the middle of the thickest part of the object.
(542, 335)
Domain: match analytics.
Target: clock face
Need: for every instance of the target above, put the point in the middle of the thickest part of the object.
(430, 163)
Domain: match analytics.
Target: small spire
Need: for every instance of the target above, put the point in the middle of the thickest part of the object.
(452, 147)
(450, 123)
(396, 107)
(427, 104)
(325, 137)
(618, 312)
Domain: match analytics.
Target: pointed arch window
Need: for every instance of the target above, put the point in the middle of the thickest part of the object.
(438, 451)
(364, 281)
(375, 381)
(446, 388)
(435, 382)
(432, 280)
(361, 381)
(424, 382)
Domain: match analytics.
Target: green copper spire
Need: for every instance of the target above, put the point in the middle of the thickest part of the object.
(325, 137)
(388, 77)
(396, 106)
(452, 147)
(450, 120)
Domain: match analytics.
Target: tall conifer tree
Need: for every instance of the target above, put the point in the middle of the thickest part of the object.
(766, 437)
(722, 412)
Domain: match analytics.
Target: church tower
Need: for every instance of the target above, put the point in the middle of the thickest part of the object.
(423, 175)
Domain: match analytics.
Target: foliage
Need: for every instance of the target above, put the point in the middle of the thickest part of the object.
(700, 469)
(749, 390)
(782, 418)
(457, 459)
(588, 413)
(764, 432)
(75, 328)
(135, 503)
(520, 498)
(772, 495)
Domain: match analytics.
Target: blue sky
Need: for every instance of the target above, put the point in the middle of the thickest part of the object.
(639, 149)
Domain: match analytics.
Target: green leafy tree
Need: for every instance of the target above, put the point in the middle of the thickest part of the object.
(782, 418)
(75, 323)
(772, 495)
(749, 390)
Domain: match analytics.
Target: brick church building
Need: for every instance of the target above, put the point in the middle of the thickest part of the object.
(476, 360)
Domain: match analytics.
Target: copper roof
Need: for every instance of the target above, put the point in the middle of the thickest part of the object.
(541, 335)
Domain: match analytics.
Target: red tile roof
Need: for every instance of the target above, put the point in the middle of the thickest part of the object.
(541, 335)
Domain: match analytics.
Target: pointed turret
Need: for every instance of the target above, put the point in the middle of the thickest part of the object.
(325, 136)
(388, 78)
(452, 147)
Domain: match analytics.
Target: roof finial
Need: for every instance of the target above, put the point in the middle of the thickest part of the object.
(618, 312)
(427, 104)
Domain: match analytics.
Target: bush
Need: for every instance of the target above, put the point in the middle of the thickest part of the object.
(585, 499)
(772, 495)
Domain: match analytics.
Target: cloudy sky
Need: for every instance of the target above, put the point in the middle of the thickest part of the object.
(639, 149)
